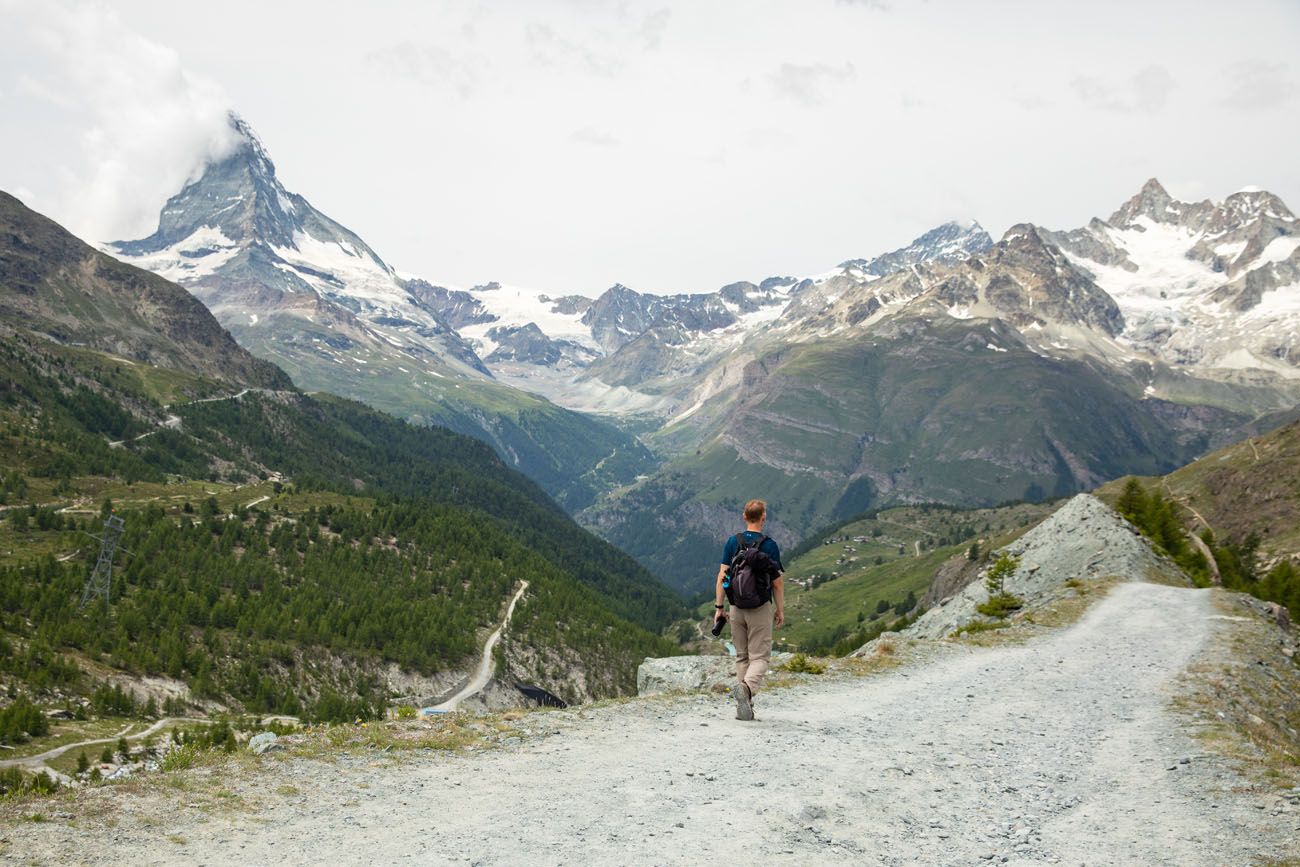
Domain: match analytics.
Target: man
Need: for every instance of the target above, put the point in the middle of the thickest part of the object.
(751, 628)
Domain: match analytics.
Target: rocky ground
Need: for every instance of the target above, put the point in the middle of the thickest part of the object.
(1064, 749)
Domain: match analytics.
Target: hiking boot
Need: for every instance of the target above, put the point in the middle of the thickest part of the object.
(744, 710)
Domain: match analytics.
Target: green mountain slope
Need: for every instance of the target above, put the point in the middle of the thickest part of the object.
(410, 574)
(952, 411)
(1231, 517)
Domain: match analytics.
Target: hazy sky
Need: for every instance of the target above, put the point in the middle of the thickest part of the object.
(570, 144)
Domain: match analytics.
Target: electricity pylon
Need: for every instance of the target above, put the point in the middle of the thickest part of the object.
(100, 582)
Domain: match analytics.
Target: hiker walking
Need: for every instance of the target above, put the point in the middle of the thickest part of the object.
(750, 579)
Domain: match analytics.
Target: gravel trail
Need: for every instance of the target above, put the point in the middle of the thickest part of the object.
(483, 673)
(1060, 750)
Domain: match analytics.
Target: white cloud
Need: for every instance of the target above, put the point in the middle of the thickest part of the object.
(589, 136)
(146, 124)
(1258, 85)
(552, 48)
(808, 83)
(430, 64)
(654, 27)
(1145, 92)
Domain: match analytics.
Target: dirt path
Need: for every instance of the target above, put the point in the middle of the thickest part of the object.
(484, 672)
(1061, 750)
(37, 762)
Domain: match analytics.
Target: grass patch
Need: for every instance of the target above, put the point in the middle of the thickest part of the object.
(975, 627)
(1244, 698)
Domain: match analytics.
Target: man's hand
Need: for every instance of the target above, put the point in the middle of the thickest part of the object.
(779, 619)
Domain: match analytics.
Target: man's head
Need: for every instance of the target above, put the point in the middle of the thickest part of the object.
(755, 512)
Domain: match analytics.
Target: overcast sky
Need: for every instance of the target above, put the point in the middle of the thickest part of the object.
(671, 146)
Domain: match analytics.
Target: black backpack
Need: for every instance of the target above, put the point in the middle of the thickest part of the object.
(750, 583)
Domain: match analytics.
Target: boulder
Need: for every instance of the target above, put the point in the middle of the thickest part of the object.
(1281, 616)
(684, 674)
(691, 673)
(263, 742)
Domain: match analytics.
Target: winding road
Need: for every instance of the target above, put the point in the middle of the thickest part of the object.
(484, 672)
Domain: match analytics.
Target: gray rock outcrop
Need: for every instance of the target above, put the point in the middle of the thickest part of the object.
(1083, 539)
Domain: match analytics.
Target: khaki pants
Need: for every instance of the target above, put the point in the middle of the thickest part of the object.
(751, 632)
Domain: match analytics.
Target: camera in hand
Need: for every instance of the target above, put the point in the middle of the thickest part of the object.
(718, 624)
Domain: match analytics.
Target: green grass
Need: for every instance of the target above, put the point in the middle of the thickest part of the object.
(813, 615)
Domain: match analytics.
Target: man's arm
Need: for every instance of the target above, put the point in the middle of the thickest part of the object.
(719, 595)
(778, 596)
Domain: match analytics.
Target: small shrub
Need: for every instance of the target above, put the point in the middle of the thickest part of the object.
(406, 711)
(800, 663)
(180, 758)
(1000, 605)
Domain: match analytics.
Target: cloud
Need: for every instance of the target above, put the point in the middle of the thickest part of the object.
(807, 84)
(1146, 92)
(1257, 85)
(882, 5)
(553, 49)
(147, 124)
(653, 28)
(430, 65)
(1031, 101)
(590, 136)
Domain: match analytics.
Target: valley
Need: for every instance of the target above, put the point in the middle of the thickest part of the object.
(378, 392)
(959, 369)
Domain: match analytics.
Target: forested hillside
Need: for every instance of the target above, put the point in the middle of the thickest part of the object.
(287, 553)
(1230, 518)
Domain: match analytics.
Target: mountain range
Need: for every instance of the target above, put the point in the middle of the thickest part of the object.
(956, 369)
(299, 289)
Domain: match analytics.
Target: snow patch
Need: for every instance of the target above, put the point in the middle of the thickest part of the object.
(189, 260)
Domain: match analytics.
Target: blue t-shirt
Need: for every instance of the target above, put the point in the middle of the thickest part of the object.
(769, 548)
